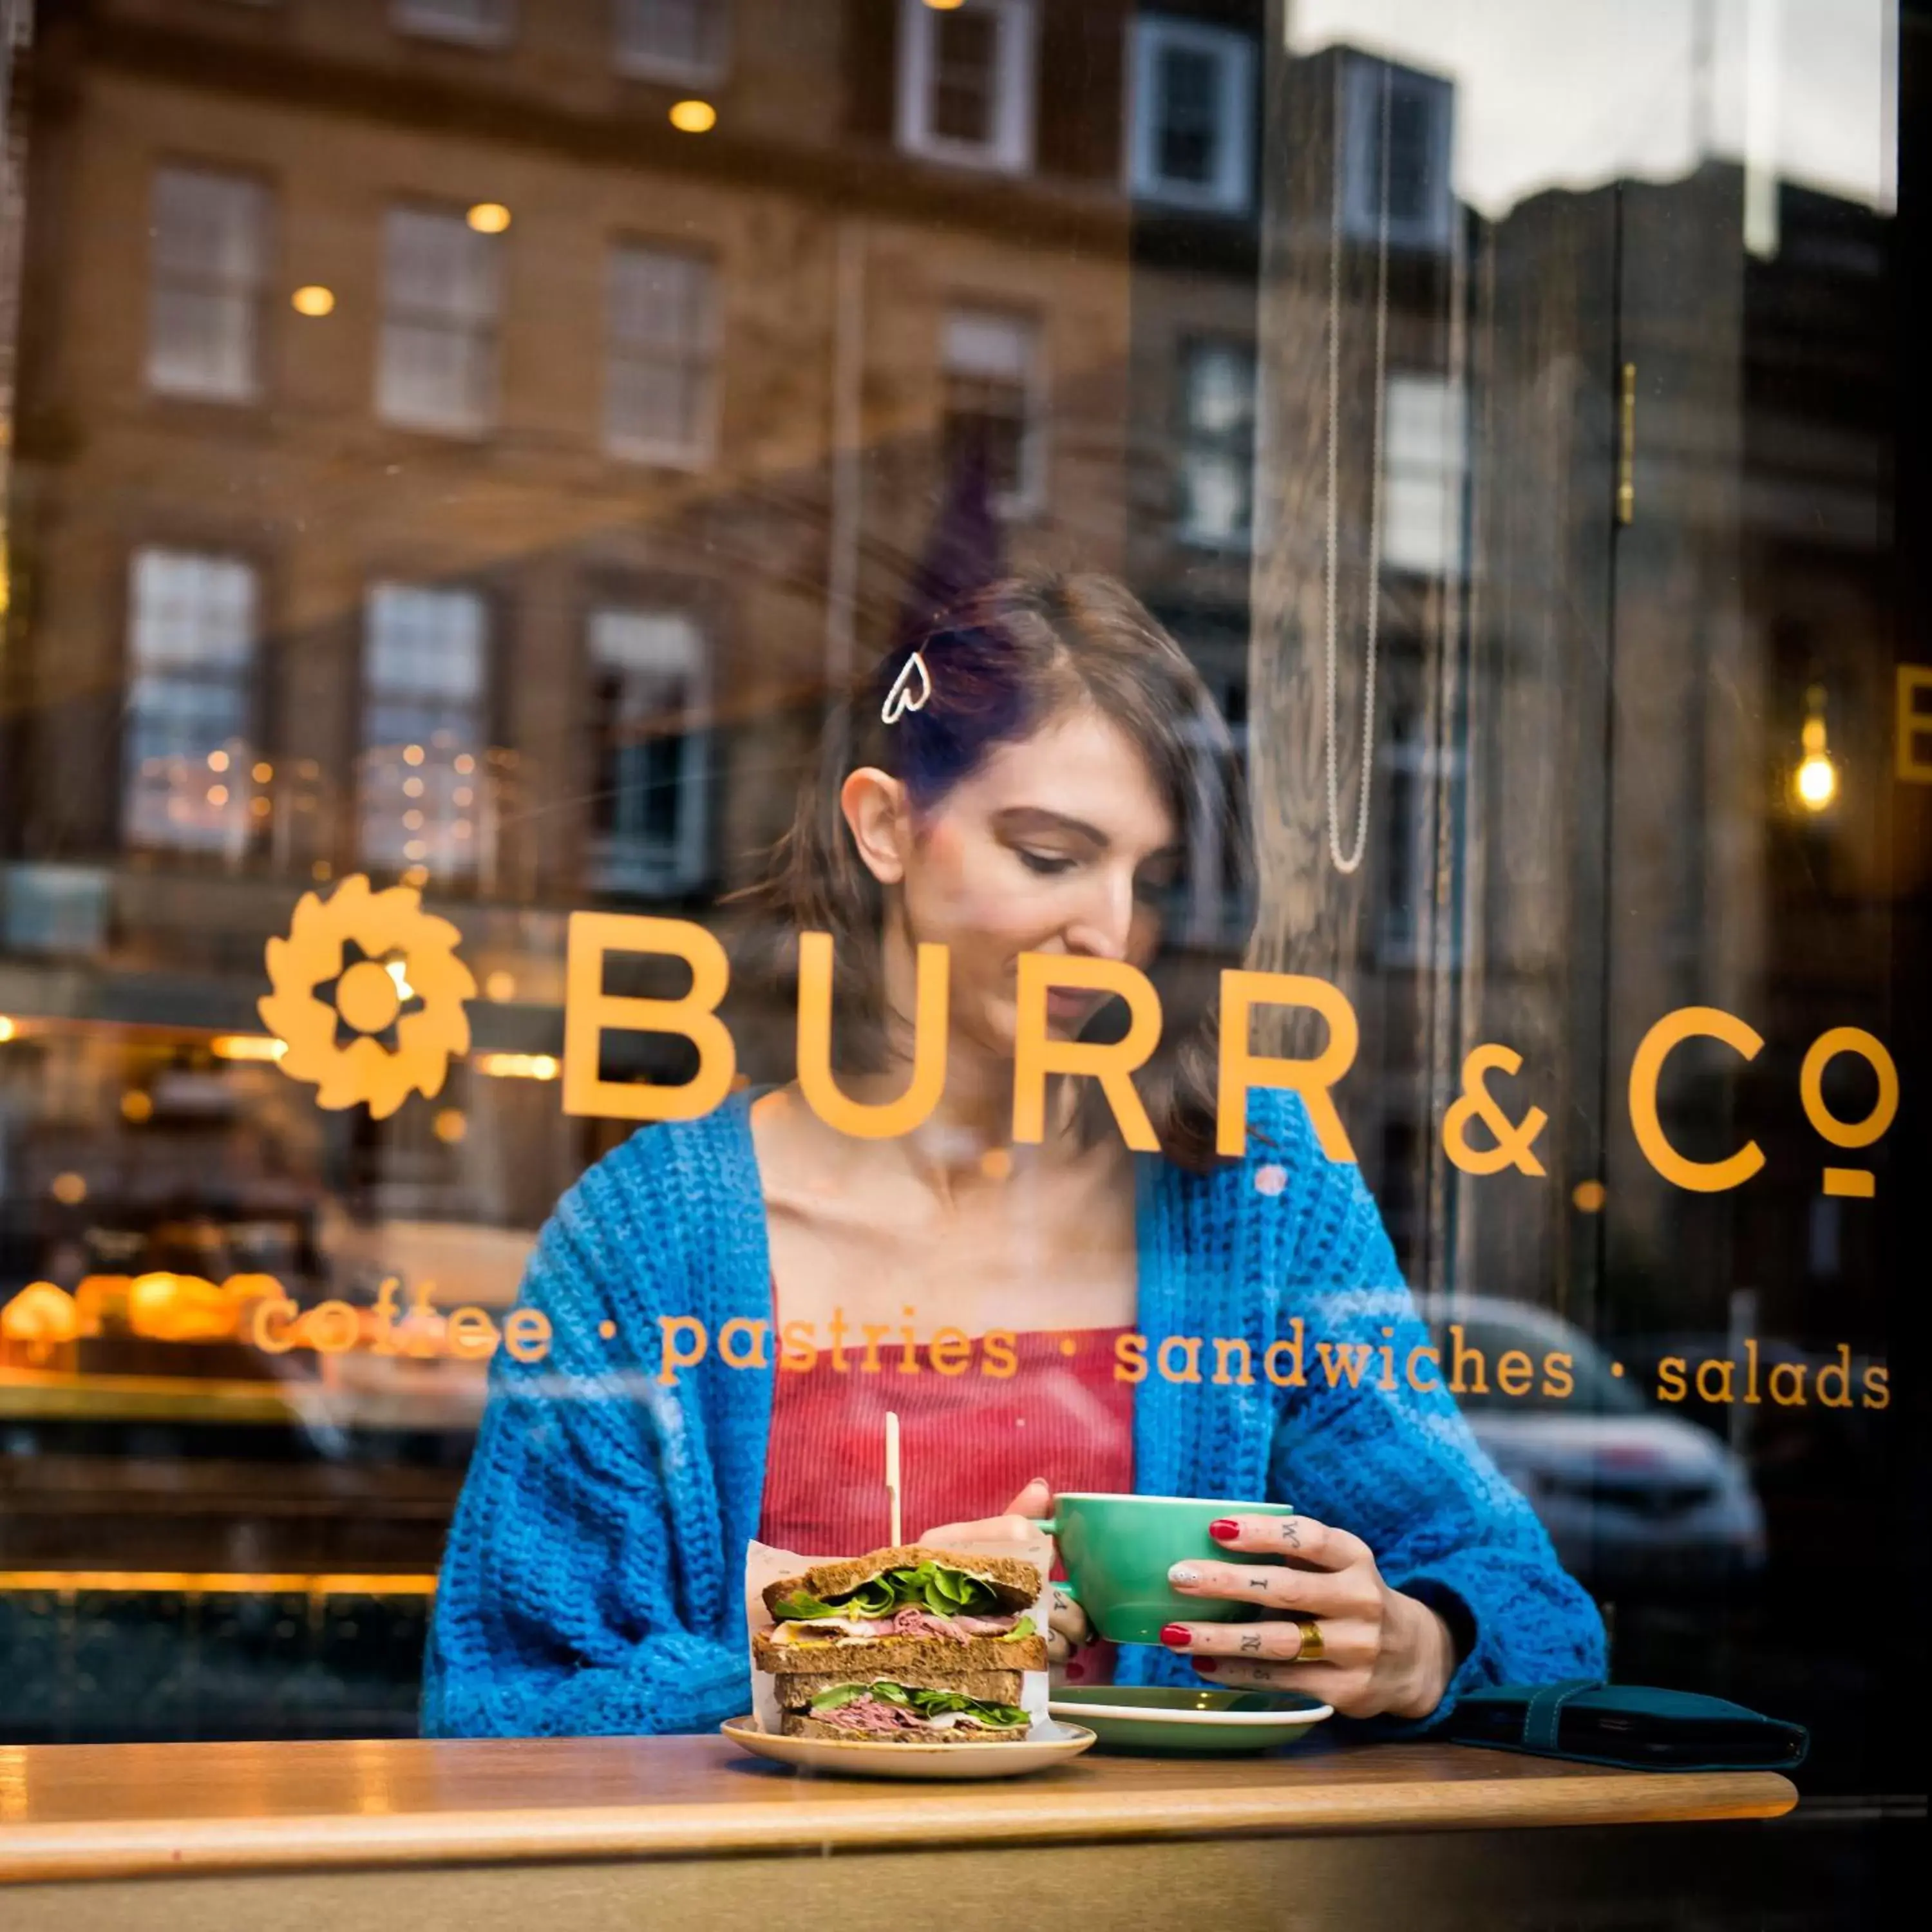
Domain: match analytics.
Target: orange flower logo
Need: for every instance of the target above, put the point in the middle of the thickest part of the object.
(368, 999)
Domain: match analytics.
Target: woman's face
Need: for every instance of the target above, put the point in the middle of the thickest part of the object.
(1061, 843)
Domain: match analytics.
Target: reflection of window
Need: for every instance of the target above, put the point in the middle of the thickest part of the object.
(1417, 801)
(966, 82)
(663, 347)
(1191, 137)
(209, 265)
(991, 413)
(1422, 475)
(438, 363)
(424, 671)
(674, 39)
(647, 678)
(191, 631)
(1217, 440)
(1419, 201)
(483, 23)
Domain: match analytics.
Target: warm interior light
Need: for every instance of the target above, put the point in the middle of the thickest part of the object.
(518, 1066)
(8, 1029)
(451, 1126)
(313, 299)
(247, 1046)
(501, 986)
(1817, 781)
(69, 1190)
(398, 970)
(945, 6)
(237, 1583)
(488, 218)
(137, 1106)
(694, 117)
(41, 1314)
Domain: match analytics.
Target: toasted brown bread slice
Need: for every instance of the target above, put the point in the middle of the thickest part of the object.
(990, 1687)
(794, 1725)
(889, 1656)
(1014, 1582)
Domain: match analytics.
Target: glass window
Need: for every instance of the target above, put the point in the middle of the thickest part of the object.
(1416, 109)
(649, 750)
(438, 361)
(482, 23)
(426, 462)
(192, 628)
(424, 682)
(208, 266)
(991, 405)
(1191, 141)
(672, 39)
(1423, 469)
(660, 401)
(966, 82)
(1217, 441)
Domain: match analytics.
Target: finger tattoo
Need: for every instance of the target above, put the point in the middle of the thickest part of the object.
(1291, 1533)
(1251, 1642)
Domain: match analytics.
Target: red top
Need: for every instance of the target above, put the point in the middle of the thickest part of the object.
(969, 1442)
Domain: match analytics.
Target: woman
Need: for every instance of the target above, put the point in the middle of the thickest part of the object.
(1033, 779)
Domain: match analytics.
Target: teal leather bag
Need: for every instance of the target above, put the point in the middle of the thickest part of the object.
(1627, 1725)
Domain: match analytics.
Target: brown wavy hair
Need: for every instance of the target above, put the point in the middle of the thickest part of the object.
(1003, 663)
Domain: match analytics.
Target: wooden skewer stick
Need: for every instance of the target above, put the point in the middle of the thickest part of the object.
(893, 1472)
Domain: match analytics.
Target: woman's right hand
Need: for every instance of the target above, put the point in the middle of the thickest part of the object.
(1019, 1523)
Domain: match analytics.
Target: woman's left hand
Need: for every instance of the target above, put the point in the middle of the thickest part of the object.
(1382, 1653)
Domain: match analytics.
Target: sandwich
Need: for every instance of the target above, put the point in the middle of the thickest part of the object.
(907, 1645)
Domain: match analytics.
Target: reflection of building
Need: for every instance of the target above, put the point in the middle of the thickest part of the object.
(436, 462)
(457, 442)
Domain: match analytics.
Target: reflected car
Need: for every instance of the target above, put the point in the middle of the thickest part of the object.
(1631, 1497)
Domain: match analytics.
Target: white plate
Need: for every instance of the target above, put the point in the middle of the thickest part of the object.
(1046, 1745)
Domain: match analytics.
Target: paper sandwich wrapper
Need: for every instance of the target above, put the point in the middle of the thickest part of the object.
(764, 1565)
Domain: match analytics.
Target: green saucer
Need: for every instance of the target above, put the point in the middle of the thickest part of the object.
(1188, 1723)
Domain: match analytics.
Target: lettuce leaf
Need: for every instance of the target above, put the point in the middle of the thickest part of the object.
(927, 1702)
(801, 1607)
(936, 1587)
(1023, 1628)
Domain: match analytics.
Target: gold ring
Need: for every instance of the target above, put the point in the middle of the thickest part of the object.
(1311, 1645)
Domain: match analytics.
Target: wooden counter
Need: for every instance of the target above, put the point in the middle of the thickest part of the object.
(430, 1833)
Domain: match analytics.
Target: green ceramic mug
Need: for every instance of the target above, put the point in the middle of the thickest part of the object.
(1118, 1551)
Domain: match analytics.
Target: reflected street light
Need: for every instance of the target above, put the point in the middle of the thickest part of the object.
(1816, 780)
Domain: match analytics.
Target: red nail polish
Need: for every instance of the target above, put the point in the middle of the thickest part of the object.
(1224, 1529)
(1206, 1664)
(1176, 1637)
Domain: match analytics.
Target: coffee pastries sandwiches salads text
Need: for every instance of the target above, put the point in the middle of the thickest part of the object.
(907, 1645)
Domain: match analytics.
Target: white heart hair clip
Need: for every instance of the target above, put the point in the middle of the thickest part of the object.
(902, 698)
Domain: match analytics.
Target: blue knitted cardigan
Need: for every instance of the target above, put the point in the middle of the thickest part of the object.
(593, 1579)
